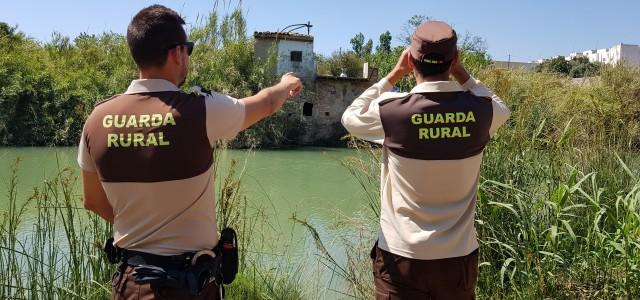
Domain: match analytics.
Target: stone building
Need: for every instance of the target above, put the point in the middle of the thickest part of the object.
(294, 52)
(327, 96)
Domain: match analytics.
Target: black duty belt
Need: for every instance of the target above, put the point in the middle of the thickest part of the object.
(131, 257)
(141, 258)
(192, 270)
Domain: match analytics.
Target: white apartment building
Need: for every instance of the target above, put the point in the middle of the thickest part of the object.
(621, 52)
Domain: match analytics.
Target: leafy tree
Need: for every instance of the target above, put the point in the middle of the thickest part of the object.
(472, 43)
(385, 43)
(367, 48)
(410, 27)
(556, 65)
(5, 29)
(575, 68)
(9, 33)
(357, 44)
(233, 27)
(582, 67)
(473, 53)
(333, 64)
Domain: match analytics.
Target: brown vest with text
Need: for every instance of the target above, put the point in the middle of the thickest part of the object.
(436, 125)
(149, 137)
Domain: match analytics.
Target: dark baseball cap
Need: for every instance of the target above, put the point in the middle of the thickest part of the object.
(434, 42)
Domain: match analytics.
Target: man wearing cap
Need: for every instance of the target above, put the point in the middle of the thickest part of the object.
(432, 142)
(147, 158)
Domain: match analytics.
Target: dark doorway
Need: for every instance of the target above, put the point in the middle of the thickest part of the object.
(307, 109)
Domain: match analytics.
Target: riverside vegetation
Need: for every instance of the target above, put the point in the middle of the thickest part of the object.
(55, 253)
(48, 89)
(558, 210)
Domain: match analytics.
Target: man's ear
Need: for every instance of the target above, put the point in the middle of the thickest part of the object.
(455, 60)
(411, 64)
(174, 55)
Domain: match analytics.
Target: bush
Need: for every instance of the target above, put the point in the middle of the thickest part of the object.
(334, 64)
(47, 90)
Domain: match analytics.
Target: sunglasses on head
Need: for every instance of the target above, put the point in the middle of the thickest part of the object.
(189, 46)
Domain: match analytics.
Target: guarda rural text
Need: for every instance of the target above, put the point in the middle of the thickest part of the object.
(137, 121)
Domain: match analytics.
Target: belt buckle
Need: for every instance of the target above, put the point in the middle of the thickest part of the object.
(200, 253)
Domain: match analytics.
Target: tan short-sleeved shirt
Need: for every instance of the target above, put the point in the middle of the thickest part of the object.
(432, 138)
(152, 148)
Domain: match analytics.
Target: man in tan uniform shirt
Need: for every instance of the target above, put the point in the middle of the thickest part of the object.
(432, 142)
(147, 155)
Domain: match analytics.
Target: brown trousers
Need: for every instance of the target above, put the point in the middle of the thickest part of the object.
(398, 277)
(124, 288)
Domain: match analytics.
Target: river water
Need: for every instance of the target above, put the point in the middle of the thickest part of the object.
(308, 183)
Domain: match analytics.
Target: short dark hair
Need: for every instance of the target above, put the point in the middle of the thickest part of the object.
(153, 31)
(430, 69)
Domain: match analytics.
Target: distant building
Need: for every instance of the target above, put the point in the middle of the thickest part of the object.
(629, 54)
(294, 52)
(326, 97)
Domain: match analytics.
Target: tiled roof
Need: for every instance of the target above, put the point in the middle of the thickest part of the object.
(290, 36)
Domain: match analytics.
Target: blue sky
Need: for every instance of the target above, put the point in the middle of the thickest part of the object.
(525, 29)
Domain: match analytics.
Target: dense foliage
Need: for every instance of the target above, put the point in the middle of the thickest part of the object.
(577, 67)
(48, 89)
(558, 204)
(473, 54)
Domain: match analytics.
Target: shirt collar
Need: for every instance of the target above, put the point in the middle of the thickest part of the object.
(151, 85)
(437, 86)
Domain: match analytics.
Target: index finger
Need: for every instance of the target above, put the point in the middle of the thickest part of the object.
(290, 74)
(407, 53)
(295, 91)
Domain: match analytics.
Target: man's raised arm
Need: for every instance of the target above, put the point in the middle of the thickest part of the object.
(362, 117)
(269, 100)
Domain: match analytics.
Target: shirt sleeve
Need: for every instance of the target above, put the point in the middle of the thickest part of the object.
(501, 112)
(225, 116)
(362, 117)
(84, 158)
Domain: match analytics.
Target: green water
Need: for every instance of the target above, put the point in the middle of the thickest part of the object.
(309, 183)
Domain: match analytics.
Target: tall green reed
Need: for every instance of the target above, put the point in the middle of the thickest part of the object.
(557, 207)
(51, 247)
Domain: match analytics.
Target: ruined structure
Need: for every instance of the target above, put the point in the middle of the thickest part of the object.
(294, 52)
(326, 97)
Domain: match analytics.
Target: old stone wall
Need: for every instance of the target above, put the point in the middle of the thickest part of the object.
(330, 97)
